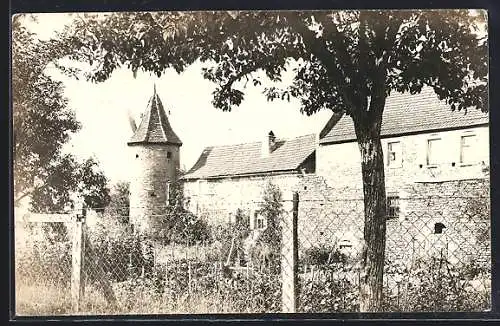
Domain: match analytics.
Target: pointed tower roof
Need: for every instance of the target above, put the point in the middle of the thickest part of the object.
(154, 127)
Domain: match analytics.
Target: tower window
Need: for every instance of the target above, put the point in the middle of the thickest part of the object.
(136, 155)
(169, 154)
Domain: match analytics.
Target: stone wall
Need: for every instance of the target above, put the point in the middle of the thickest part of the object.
(334, 216)
(151, 172)
(217, 200)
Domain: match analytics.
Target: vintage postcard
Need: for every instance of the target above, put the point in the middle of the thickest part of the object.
(220, 162)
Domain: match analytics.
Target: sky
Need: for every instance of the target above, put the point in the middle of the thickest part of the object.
(103, 110)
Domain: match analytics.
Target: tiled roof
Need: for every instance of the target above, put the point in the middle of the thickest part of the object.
(243, 159)
(405, 113)
(154, 127)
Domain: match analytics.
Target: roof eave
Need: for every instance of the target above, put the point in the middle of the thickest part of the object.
(325, 141)
(239, 175)
(146, 142)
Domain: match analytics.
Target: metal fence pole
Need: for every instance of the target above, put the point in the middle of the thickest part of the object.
(289, 259)
(77, 259)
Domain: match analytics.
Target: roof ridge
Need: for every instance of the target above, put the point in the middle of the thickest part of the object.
(258, 142)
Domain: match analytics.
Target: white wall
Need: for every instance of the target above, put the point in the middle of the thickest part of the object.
(340, 163)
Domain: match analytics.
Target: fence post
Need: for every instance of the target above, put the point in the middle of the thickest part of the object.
(77, 259)
(289, 259)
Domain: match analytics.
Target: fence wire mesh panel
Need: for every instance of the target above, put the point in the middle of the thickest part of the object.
(298, 254)
(42, 267)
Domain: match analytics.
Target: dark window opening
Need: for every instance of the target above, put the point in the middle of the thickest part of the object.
(259, 221)
(438, 228)
(136, 155)
(169, 154)
(392, 207)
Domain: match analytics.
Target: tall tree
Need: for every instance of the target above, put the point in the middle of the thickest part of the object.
(345, 61)
(42, 124)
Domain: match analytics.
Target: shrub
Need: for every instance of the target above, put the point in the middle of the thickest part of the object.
(45, 256)
(225, 236)
(114, 249)
(323, 255)
(268, 245)
(437, 285)
(332, 290)
(175, 224)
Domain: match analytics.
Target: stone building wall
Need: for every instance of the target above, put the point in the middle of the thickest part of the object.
(152, 170)
(334, 217)
(217, 200)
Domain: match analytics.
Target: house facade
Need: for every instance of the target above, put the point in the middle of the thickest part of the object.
(227, 178)
(423, 142)
(436, 162)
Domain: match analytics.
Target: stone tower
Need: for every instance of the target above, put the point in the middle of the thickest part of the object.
(155, 149)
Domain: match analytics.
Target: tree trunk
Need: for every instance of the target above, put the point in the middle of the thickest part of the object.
(367, 128)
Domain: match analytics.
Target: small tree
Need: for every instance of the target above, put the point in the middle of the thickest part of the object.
(42, 123)
(268, 245)
(119, 205)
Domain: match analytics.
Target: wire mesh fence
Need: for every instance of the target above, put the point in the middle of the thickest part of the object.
(259, 261)
(43, 267)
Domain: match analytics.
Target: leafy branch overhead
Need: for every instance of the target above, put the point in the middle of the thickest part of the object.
(339, 58)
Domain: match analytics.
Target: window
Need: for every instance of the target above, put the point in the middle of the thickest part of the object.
(259, 221)
(169, 155)
(438, 228)
(167, 192)
(467, 143)
(392, 207)
(394, 154)
(433, 151)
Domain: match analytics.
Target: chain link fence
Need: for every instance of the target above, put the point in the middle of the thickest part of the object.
(259, 261)
(42, 267)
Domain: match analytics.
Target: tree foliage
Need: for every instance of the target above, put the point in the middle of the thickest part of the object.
(119, 204)
(341, 54)
(42, 124)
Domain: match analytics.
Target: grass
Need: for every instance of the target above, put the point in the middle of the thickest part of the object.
(51, 300)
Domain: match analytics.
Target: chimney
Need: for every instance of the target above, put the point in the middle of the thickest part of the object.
(268, 144)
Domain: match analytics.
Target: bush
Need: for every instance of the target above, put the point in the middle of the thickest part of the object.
(268, 246)
(437, 285)
(323, 255)
(225, 236)
(176, 225)
(45, 255)
(116, 249)
(331, 290)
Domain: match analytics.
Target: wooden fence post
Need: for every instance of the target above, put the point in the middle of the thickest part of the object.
(289, 259)
(77, 259)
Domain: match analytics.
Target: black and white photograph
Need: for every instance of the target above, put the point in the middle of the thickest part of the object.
(251, 162)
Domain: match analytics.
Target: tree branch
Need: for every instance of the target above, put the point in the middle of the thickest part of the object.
(320, 50)
(27, 193)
